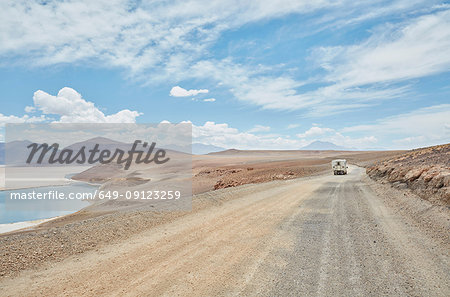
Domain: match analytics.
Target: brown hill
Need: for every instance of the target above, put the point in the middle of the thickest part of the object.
(425, 171)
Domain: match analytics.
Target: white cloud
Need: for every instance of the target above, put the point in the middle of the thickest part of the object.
(178, 91)
(418, 48)
(72, 108)
(357, 76)
(365, 142)
(422, 127)
(4, 119)
(333, 136)
(355, 12)
(223, 135)
(408, 141)
(257, 86)
(12, 119)
(293, 126)
(259, 128)
(315, 131)
(164, 36)
(68, 107)
(29, 109)
(166, 40)
(209, 100)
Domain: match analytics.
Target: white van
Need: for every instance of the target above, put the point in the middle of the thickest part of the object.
(339, 166)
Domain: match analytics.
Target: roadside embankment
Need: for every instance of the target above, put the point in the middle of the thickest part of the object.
(425, 171)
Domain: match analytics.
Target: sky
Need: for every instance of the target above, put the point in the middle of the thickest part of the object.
(247, 74)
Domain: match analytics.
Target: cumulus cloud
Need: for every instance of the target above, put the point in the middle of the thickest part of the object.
(69, 105)
(365, 142)
(223, 135)
(209, 100)
(29, 109)
(315, 131)
(178, 91)
(12, 119)
(422, 127)
(333, 136)
(4, 119)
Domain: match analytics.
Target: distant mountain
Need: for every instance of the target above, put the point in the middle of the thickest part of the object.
(104, 143)
(195, 148)
(324, 146)
(185, 149)
(236, 152)
(203, 149)
(16, 151)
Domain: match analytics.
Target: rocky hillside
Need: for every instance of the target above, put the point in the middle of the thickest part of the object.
(425, 171)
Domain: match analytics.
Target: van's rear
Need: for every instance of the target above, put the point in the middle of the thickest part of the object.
(339, 167)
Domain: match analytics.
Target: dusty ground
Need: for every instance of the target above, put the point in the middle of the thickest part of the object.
(91, 229)
(234, 167)
(257, 172)
(426, 171)
(323, 235)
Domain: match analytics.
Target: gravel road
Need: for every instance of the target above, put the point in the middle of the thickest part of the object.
(320, 236)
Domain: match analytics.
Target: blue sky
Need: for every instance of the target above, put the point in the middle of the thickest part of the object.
(259, 75)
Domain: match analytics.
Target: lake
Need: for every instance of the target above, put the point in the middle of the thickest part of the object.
(11, 212)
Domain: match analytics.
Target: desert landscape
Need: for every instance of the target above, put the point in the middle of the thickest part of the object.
(260, 222)
(224, 148)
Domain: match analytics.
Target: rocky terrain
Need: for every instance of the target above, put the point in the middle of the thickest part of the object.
(215, 180)
(316, 236)
(425, 171)
(226, 177)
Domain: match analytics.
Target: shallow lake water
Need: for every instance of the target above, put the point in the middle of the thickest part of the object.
(19, 211)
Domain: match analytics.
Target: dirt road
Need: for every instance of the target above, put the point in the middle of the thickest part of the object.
(321, 236)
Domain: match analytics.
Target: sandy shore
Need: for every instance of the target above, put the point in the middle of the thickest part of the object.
(33, 177)
(5, 228)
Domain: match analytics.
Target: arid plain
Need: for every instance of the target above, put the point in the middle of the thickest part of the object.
(261, 222)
